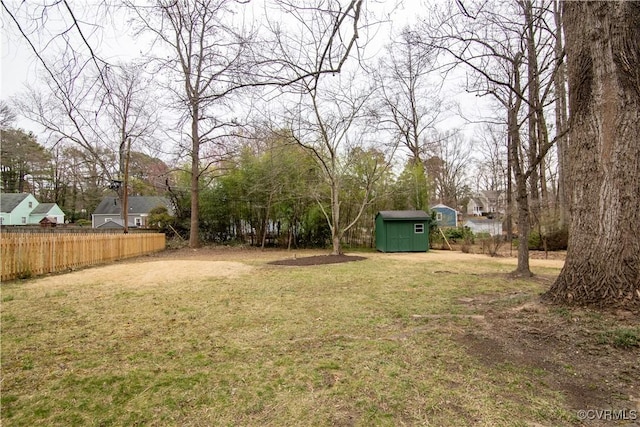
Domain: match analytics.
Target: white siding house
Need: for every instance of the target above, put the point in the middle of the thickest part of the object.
(491, 226)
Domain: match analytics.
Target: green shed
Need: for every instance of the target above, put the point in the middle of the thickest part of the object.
(402, 231)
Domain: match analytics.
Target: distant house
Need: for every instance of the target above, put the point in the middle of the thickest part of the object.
(24, 209)
(485, 203)
(47, 210)
(483, 225)
(475, 206)
(108, 212)
(445, 216)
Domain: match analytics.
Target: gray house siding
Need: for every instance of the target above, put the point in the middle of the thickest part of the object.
(109, 209)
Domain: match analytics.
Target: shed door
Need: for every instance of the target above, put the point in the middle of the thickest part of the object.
(399, 236)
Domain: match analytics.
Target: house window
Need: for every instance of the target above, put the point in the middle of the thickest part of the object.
(24, 219)
(439, 216)
(138, 222)
(30, 204)
(418, 228)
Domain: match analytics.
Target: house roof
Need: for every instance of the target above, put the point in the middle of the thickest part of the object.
(490, 194)
(116, 223)
(397, 215)
(137, 205)
(441, 206)
(9, 201)
(43, 208)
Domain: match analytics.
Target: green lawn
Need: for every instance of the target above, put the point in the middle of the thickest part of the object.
(374, 342)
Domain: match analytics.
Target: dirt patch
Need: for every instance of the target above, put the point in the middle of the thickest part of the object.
(440, 255)
(567, 348)
(317, 260)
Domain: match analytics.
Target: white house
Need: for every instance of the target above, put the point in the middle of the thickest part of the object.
(485, 202)
(481, 225)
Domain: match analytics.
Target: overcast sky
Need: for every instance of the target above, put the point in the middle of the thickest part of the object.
(20, 68)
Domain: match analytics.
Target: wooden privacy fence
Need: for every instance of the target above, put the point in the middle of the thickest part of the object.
(26, 254)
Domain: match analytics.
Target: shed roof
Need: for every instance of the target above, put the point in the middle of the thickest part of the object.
(9, 201)
(441, 206)
(400, 215)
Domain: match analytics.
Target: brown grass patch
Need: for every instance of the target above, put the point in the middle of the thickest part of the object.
(219, 337)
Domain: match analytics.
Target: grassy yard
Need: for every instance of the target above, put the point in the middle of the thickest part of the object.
(384, 341)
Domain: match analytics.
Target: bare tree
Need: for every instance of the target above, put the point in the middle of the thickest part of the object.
(206, 59)
(78, 181)
(89, 102)
(603, 260)
(7, 115)
(131, 111)
(411, 101)
(327, 36)
(509, 52)
(332, 113)
(334, 124)
(215, 59)
(492, 158)
(447, 164)
(103, 115)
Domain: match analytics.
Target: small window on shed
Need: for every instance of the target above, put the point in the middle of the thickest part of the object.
(418, 228)
(438, 216)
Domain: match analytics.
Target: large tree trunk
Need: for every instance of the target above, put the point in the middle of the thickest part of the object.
(603, 260)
